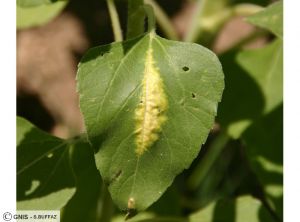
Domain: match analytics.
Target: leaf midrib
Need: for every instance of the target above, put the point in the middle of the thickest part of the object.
(24, 168)
(138, 156)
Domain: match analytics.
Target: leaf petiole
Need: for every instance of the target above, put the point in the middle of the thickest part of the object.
(115, 20)
(150, 17)
(163, 20)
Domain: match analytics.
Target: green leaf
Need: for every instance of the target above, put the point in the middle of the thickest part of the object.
(265, 66)
(261, 129)
(52, 201)
(39, 15)
(264, 142)
(141, 216)
(163, 219)
(33, 3)
(255, 89)
(169, 204)
(87, 203)
(271, 19)
(256, 95)
(148, 105)
(147, 217)
(223, 178)
(242, 100)
(242, 209)
(44, 177)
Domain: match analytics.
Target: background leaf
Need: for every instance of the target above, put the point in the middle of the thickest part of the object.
(224, 178)
(255, 77)
(32, 3)
(264, 141)
(44, 176)
(89, 201)
(146, 217)
(265, 66)
(193, 84)
(242, 209)
(261, 130)
(39, 15)
(238, 107)
(257, 118)
(50, 168)
(271, 18)
(53, 201)
(255, 88)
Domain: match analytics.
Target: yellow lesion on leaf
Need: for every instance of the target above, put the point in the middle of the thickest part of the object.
(150, 114)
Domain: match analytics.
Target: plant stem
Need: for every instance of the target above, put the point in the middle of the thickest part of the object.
(151, 18)
(135, 18)
(194, 28)
(206, 163)
(246, 9)
(115, 20)
(163, 20)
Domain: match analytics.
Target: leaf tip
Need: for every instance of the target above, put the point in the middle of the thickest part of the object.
(131, 211)
(131, 203)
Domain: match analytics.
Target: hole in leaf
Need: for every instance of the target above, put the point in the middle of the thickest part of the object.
(193, 95)
(185, 68)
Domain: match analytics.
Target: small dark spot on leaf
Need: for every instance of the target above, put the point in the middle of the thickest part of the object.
(114, 177)
(141, 101)
(193, 95)
(185, 68)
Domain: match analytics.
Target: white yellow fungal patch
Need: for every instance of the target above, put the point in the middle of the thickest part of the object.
(151, 111)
